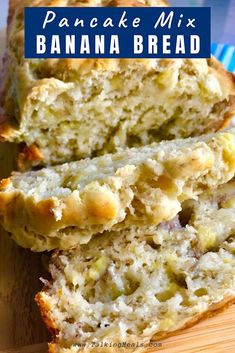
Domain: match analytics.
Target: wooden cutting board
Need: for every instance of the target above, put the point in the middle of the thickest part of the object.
(20, 323)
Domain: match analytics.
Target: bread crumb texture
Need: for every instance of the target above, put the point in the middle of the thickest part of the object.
(63, 206)
(140, 283)
(77, 108)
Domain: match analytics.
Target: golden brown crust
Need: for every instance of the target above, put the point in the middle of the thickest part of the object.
(7, 128)
(97, 206)
(13, 4)
(228, 80)
(6, 131)
(52, 348)
(227, 77)
(94, 207)
(4, 183)
(227, 121)
(50, 324)
(45, 313)
(44, 221)
(28, 156)
(8, 199)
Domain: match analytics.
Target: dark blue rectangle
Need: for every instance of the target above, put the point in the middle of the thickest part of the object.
(176, 39)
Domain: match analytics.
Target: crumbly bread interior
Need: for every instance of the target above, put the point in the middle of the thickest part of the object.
(132, 285)
(60, 207)
(73, 108)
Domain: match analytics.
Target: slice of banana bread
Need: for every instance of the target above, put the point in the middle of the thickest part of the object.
(141, 284)
(60, 207)
(67, 109)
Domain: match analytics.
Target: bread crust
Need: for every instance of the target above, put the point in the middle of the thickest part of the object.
(28, 156)
(228, 80)
(204, 279)
(31, 156)
(213, 310)
(40, 215)
(9, 130)
(44, 222)
(45, 313)
(4, 183)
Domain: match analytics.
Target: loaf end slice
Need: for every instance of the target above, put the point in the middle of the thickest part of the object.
(63, 206)
(144, 284)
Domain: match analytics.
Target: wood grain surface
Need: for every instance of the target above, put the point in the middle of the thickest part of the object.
(20, 322)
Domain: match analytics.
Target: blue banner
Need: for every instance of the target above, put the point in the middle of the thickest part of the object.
(107, 32)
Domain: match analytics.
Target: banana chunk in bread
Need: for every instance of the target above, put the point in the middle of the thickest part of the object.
(67, 109)
(63, 206)
(143, 283)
